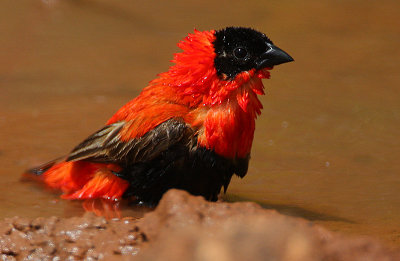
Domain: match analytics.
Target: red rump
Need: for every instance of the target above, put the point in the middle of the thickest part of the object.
(84, 180)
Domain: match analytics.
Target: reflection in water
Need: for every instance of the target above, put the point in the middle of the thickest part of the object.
(326, 146)
(113, 209)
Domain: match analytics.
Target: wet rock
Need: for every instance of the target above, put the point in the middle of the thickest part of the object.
(184, 227)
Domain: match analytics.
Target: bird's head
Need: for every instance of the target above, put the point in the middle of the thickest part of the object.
(216, 66)
(241, 50)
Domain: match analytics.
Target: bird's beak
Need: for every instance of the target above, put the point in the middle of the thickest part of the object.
(273, 56)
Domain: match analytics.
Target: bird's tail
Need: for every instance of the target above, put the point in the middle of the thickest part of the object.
(39, 170)
(81, 179)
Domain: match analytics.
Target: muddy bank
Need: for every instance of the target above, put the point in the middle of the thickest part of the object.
(88, 237)
(183, 227)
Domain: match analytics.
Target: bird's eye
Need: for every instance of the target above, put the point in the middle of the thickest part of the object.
(240, 52)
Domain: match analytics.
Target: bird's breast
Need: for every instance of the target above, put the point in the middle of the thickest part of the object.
(228, 128)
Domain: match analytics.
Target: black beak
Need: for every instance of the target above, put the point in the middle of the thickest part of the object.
(273, 56)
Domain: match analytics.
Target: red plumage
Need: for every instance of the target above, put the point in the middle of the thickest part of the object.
(199, 104)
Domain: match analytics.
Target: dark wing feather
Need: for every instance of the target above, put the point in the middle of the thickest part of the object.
(106, 145)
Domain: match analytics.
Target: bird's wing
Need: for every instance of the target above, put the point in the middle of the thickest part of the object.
(109, 145)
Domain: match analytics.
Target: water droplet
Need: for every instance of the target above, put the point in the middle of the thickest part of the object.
(100, 99)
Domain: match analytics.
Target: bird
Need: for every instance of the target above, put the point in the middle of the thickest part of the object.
(191, 128)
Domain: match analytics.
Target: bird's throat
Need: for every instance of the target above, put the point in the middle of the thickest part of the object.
(228, 128)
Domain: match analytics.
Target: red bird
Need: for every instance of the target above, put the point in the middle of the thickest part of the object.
(191, 128)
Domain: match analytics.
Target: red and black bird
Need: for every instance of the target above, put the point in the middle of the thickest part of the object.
(191, 128)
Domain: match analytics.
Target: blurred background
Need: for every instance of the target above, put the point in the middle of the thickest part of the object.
(326, 146)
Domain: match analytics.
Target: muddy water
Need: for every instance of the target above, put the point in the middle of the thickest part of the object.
(326, 146)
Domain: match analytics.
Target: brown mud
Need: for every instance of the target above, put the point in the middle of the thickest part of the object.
(184, 227)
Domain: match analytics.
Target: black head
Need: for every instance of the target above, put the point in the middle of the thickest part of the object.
(242, 49)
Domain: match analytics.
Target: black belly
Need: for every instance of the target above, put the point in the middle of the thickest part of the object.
(196, 170)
